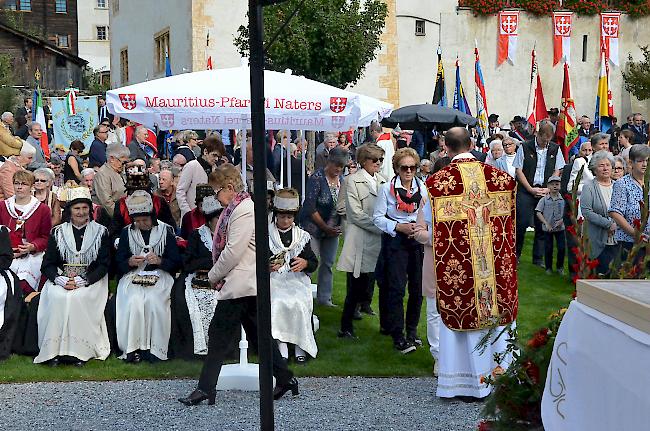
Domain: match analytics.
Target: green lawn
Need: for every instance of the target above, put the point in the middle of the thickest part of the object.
(372, 355)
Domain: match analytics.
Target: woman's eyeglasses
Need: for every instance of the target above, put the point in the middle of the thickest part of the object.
(375, 160)
(406, 168)
(619, 168)
(21, 183)
(39, 180)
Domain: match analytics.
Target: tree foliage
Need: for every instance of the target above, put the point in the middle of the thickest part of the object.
(330, 41)
(637, 77)
(7, 92)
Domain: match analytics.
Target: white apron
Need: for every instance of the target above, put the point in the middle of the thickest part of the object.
(27, 267)
(143, 313)
(292, 303)
(71, 322)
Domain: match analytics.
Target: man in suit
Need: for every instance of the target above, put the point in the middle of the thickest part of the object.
(493, 125)
(518, 129)
(480, 156)
(640, 130)
(26, 110)
(536, 161)
(102, 110)
(138, 146)
(34, 139)
(586, 128)
(97, 154)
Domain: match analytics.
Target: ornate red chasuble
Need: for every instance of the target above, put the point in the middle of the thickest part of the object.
(474, 245)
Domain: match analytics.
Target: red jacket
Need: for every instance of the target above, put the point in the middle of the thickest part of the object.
(37, 227)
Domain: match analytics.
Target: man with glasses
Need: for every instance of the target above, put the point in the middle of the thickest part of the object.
(97, 154)
(109, 184)
(34, 139)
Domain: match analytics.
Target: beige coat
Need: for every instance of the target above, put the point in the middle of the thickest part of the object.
(236, 264)
(109, 187)
(362, 238)
(424, 236)
(192, 175)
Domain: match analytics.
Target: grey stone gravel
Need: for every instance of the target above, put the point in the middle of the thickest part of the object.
(324, 404)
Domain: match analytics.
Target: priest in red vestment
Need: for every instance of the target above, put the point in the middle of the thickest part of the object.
(475, 265)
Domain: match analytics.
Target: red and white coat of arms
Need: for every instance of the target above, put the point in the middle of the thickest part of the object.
(128, 101)
(338, 104)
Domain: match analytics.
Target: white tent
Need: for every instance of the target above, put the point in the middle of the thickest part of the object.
(220, 99)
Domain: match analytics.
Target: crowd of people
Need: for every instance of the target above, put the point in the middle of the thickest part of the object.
(177, 235)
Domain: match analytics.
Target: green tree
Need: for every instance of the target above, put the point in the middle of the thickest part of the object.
(637, 76)
(330, 41)
(7, 92)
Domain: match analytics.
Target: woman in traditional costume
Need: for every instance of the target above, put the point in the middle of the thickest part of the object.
(194, 219)
(193, 299)
(71, 325)
(292, 258)
(29, 222)
(10, 296)
(147, 256)
(233, 276)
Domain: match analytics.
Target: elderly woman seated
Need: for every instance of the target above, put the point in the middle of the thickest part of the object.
(146, 258)
(292, 259)
(71, 325)
(46, 193)
(193, 300)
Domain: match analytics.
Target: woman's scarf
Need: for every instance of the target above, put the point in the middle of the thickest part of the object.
(299, 239)
(221, 232)
(30, 209)
(406, 202)
(90, 244)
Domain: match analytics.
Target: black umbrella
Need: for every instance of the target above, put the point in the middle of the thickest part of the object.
(426, 115)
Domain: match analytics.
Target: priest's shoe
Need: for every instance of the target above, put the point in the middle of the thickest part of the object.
(347, 334)
(197, 397)
(281, 389)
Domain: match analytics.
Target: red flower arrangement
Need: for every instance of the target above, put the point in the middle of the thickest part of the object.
(539, 339)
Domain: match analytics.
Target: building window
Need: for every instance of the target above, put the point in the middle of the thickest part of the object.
(124, 66)
(25, 5)
(102, 4)
(61, 6)
(62, 41)
(420, 28)
(9, 4)
(102, 33)
(161, 43)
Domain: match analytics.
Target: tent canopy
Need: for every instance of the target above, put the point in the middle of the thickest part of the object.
(220, 99)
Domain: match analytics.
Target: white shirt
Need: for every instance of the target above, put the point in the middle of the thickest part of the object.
(538, 179)
(386, 216)
(372, 179)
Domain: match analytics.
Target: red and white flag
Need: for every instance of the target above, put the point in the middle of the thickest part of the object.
(562, 23)
(210, 63)
(508, 31)
(536, 104)
(609, 27)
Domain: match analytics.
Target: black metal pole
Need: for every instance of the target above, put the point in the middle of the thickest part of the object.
(255, 25)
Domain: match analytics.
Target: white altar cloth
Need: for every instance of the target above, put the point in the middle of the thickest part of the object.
(599, 375)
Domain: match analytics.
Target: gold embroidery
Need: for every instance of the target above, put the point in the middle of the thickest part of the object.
(445, 184)
(500, 179)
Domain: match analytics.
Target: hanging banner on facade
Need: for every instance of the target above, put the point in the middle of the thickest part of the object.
(609, 28)
(508, 34)
(68, 128)
(562, 23)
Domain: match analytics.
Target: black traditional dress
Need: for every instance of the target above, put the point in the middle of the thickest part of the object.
(10, 296)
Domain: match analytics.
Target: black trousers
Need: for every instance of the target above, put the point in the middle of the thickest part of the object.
(548, 249)
(229, 315)
(526, 204)
(357, 293)
(401, 266)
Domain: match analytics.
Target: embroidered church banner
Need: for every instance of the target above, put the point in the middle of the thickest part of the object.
(68, 128)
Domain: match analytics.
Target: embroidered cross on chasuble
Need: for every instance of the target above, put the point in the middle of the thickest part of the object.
(474, 254)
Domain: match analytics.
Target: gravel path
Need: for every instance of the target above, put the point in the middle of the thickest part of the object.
(324, 404)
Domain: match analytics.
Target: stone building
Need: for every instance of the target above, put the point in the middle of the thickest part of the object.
(42, 34)
(93, 30)
(404, 71)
